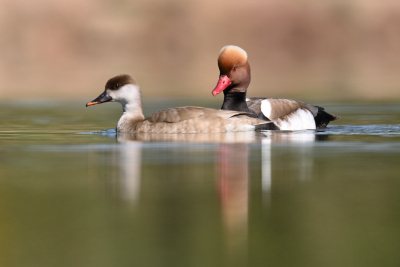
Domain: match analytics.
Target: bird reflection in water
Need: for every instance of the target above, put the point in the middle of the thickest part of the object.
(231, 137)
(231, 173)
(131, 169)
(299, 168)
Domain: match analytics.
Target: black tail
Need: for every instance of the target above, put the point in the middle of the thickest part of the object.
(266, 126)
(323, 118)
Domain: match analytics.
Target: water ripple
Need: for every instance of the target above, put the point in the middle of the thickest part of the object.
(373, 129)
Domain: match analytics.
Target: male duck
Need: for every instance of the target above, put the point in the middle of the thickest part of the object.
(286, 114)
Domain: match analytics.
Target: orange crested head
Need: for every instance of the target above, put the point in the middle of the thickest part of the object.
(231, 56)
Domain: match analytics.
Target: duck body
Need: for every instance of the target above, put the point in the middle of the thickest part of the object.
(190, 120)
(125, 90)
(285, 114)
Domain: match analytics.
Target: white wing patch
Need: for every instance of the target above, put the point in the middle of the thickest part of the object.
(266, 108)
(299, 120)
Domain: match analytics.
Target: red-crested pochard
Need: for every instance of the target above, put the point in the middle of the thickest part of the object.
(286, 114)
(125, 90)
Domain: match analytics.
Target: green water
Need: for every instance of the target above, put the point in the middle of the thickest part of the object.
(70, 196)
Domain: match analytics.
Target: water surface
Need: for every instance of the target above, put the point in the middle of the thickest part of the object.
(73, 193)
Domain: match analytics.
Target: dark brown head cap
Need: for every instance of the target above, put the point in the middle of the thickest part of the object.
(120, 80)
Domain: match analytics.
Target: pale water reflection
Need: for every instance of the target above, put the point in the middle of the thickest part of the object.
(303, 162)
(130, 160)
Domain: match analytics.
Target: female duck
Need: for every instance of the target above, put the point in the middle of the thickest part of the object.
(125, 90)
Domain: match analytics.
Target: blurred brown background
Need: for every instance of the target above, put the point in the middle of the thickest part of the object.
(326, 50)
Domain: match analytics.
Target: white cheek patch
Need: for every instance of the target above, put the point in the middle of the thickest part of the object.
(127, 93)
(114, 94)
(301, 119)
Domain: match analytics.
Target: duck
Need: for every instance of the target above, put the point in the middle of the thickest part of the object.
(286, 114)
(189, 119)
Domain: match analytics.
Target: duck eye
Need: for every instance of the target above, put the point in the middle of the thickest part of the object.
(116, 85)
(233, 69)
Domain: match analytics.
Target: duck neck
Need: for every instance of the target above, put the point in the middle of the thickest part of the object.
(235, 101)
(132, 114)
